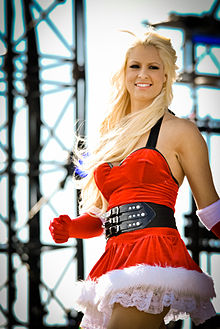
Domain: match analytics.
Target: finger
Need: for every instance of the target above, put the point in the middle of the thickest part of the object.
(64, 219)
(59, 237)
(58, 227)
(60, 240)
(55, 221)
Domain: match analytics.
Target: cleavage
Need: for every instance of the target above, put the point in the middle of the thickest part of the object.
(142, 142)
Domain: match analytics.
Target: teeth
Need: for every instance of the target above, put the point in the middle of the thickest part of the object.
(143, 84)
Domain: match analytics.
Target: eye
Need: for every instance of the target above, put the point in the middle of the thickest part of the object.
(134, 66)
(153, 67)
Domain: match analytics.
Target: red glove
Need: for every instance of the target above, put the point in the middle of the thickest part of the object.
(216, 229)
(83, 227)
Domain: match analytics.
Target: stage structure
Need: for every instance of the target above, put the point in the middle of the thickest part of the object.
(42, 102)
(201, 42)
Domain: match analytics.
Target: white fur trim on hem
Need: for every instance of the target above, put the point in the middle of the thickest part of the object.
(178, 279)
(192, 288)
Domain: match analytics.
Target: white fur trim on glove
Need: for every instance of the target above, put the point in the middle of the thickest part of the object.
(210, 215)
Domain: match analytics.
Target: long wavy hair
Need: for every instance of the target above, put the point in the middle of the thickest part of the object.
(120, 130)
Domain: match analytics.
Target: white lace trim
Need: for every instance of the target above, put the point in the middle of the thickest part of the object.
(151, 301)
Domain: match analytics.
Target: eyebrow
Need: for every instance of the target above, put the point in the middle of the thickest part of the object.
(136, 61)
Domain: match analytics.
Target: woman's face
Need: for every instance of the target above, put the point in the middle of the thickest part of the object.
(144, 76)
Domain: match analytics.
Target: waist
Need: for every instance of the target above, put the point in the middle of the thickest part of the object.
(138, 215)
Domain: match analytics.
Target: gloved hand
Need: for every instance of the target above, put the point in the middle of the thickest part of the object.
(83, 227)
(216, 229)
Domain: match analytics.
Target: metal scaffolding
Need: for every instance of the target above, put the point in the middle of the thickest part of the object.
(22, 68)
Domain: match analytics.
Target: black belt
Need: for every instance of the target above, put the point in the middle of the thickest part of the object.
(136, 216)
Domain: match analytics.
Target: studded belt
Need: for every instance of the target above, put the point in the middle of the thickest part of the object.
(136, 216)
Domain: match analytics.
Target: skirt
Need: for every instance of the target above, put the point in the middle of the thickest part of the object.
(149, 269)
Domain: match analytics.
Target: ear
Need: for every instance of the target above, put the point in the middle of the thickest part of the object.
(165, 78)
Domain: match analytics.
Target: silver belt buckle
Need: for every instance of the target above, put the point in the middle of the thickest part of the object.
(114, 229)
(114, 220)
(117, 210)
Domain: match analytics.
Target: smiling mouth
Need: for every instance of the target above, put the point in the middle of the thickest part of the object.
(143, 85)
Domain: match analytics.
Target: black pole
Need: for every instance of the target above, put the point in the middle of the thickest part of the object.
(79, 76)
(9, 69)
(36, 311)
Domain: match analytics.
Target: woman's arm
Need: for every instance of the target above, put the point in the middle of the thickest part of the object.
(193, 157)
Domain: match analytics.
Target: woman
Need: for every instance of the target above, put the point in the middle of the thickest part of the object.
(144, 152)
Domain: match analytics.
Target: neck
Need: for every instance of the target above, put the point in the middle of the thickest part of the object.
(137, 106)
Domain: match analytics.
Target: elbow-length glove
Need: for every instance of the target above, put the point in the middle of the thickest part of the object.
(83, 227)
(210, 217)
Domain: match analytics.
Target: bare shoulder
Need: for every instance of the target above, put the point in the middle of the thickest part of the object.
(184, 132)
(179, 124)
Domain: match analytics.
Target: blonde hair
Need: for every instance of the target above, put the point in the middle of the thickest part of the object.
(121, 130)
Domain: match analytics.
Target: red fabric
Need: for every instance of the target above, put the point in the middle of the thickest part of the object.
(216, 229)
(151, 246)
(83, 227)
(144, 176)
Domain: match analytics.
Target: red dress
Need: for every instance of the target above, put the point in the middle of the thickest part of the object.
(148, 268)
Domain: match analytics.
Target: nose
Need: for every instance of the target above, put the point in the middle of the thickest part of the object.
(143, 73)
